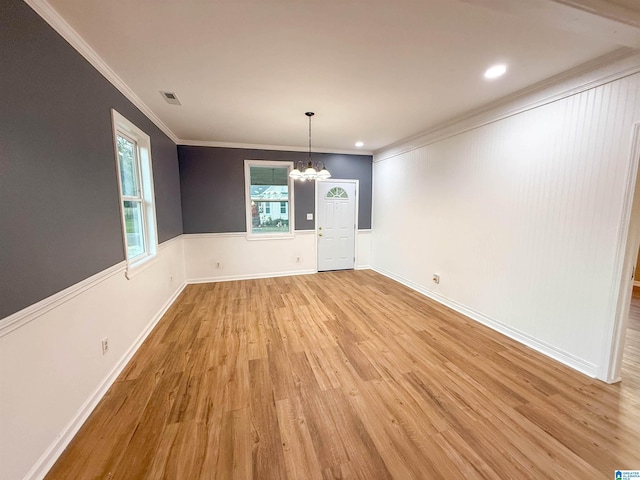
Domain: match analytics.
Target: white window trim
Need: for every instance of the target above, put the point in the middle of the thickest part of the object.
(247, 195)
(126, 128)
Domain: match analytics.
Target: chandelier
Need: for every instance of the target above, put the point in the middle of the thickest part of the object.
(311, 172)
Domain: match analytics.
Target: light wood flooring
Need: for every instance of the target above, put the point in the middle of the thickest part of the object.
(344, 375)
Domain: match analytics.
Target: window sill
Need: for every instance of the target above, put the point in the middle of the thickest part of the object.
(138, 266)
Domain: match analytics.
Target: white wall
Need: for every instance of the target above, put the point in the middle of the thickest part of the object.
(240, 258)
(363, 249)
(521, 218)
(52, 371)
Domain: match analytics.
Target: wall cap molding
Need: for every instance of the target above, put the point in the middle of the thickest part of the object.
(171, 241)
(30, 313)
(620, 63)
(190, 236)
(60, 25)
(561, 356)
(244, 234)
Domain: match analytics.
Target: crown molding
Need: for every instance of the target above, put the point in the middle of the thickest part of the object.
(255, 146)
(53, 18)
(620, 63)
(607, 9)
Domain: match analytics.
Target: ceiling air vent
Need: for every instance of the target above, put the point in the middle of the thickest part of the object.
(171, 98)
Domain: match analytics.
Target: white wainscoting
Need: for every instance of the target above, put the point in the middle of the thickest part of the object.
(521, 218)
(52, 371)
(217, 257)
(363, 249)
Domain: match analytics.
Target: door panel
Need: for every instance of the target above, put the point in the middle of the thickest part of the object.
(336, 225)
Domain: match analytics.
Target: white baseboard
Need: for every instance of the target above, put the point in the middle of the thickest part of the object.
(363, 267)
(636, 283)
(49, 457)
(231, 278)
(548, 350)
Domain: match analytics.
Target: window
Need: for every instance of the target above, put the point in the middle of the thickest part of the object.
(135, 182)
(267, 185)
(337, 192)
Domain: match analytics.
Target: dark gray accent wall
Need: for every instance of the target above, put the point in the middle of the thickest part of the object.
(213, 192)
(59, 211)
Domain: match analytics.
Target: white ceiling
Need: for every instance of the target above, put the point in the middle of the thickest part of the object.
(376, 71)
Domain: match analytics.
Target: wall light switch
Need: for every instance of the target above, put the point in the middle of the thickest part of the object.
(309, 216)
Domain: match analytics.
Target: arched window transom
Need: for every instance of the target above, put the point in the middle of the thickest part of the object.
(337, 192)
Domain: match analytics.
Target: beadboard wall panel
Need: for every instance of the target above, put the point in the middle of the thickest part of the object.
(521, 218)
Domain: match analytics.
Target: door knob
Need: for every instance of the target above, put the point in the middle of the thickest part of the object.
(319, 234)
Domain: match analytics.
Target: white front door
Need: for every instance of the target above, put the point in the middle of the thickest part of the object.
(336, 201)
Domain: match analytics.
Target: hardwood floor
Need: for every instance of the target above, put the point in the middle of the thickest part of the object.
(631, 359)
(349, 375)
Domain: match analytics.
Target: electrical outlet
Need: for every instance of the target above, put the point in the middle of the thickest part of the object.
(218, 265)
(309, 216)
(105, 345)
(436, 278)
(297, 259)
(170, 279)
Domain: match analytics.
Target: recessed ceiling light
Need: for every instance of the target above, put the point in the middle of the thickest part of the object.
(359, 144)
(495, 71)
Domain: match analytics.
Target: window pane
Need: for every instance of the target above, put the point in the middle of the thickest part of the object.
(128, 171)
(270, 176)
(269, 192)
(268, 220)
(135, 233)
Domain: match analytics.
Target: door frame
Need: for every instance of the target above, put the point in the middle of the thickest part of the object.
(357, 204)
(625, 261)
